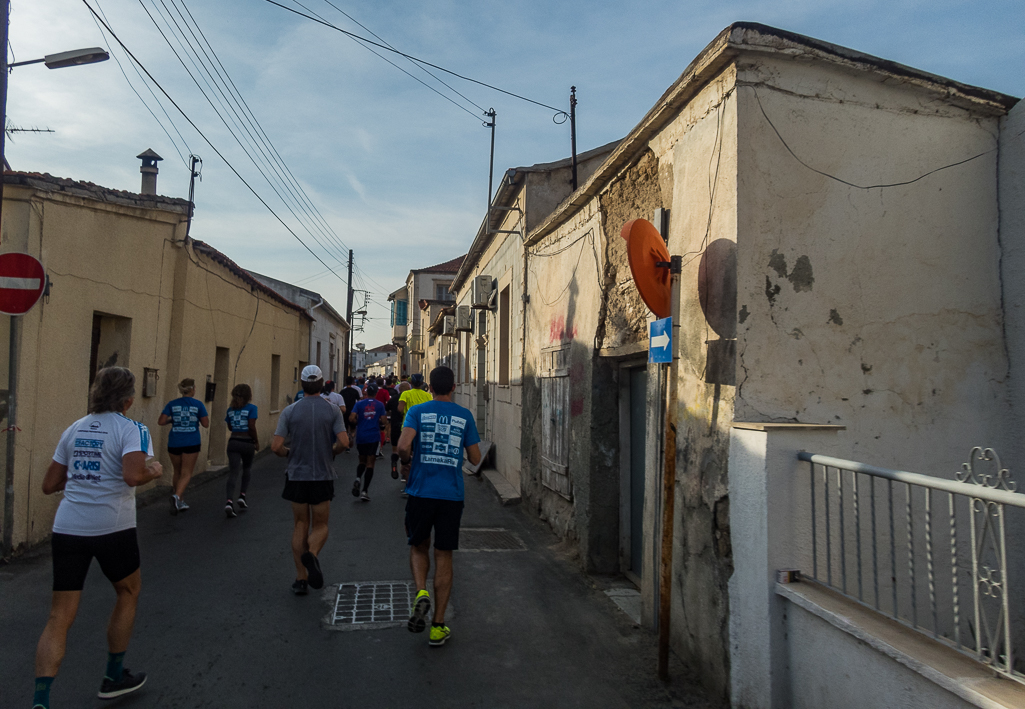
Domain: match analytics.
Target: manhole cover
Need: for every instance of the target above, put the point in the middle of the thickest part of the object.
(489, 539)
(372, 604)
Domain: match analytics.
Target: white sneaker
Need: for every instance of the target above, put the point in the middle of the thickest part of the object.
(182, 505)
(364, 496)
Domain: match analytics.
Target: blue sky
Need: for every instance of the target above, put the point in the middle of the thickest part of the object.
(399, 173)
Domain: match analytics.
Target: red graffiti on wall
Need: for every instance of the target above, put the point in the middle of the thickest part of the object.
(557, 331)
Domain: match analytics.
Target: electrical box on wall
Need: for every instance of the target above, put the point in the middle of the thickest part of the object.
(149, 382)
(481, 291)
(464, 319)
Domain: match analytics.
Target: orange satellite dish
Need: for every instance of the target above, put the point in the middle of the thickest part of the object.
(644, 249)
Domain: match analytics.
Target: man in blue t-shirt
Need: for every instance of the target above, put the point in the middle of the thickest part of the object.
(366, 416)
(434, 435)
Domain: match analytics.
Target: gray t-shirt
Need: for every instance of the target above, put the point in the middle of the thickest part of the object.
(311, 426)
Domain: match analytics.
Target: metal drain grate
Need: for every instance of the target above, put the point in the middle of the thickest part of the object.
(489, 539)
(372, 604)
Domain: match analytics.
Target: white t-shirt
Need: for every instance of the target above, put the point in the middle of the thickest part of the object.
(334, 398)
(97, 500)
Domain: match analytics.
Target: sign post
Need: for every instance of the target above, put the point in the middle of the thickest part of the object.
(22, 280)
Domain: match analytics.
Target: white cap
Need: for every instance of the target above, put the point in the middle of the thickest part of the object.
(312, 373)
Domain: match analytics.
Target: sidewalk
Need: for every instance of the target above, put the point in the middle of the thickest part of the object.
(219, 627)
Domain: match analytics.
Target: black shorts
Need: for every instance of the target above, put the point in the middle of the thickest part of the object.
(308, 492)
(367, 448)
(424, 513)
(118, 554)
(184, 449)
(396, 430)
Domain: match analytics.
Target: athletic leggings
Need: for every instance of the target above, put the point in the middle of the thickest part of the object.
(240, 459)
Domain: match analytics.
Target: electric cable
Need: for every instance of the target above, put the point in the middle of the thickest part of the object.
(207, 140)
(417, 60)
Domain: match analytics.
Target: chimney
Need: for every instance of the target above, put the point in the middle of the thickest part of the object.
(149, 171)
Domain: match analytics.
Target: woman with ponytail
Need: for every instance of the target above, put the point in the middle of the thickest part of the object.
(242, 445)
(186, 415)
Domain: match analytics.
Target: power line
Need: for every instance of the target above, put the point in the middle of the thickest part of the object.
(415, 59)
(207, 140)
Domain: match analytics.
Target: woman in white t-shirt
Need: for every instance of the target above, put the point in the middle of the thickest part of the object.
(99, 462)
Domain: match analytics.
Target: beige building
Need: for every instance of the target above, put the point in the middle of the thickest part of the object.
(409, 331)
(127, 287)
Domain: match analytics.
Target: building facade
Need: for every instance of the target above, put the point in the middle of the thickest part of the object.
(408, 332)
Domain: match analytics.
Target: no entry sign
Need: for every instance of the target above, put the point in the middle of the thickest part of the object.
(22, 279)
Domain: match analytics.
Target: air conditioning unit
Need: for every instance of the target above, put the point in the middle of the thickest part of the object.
(464, 319)
(414, 345)
(482, 289)
(448, 326)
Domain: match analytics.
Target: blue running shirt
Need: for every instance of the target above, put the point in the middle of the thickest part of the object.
(238, 419)
(443, 430)
(368, 418)
(184, 414)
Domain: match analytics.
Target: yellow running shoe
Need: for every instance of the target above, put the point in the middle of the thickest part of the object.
(418, 615)
(439, 635)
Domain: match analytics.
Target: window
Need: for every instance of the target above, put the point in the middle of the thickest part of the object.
(111, 344)
(503, 336)
(398, 313)
(441, 292)
(275, 383)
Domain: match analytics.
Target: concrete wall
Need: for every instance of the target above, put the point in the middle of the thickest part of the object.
(175, 307)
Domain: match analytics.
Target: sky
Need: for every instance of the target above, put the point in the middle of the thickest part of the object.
(380, 163)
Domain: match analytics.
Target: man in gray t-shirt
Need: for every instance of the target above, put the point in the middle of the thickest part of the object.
(315, 434)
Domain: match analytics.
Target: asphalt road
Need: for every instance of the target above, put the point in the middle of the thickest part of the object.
(219, 627)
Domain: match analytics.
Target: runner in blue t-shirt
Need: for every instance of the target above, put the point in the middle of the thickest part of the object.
(186, 416)
(434, 435)
(366, 416)
(242, 446)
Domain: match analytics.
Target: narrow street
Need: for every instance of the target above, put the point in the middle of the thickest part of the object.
(219, 627)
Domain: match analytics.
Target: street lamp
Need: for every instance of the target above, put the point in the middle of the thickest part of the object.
(52, 61)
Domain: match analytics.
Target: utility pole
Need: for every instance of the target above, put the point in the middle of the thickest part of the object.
(348, 319)
(193, 160)
(573, 131)
(491, 165)
(15, 321)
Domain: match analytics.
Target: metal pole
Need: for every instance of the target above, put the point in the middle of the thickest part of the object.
(491, 165)
(669, 479)
(348, 319)
(193, 159)
(573, 131)
(8, 545)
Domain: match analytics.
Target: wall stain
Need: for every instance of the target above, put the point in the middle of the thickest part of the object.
(801, 276)
(778, 263)
(742, 315)
(771, 291)
(834, 317)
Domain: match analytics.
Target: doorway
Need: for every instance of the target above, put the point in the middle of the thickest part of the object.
(217, 454)
(633, 440)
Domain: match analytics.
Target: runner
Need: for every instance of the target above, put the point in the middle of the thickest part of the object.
(310, 433)
(434, 435)
(395, 419)
(350, 394)
(242, 445)
(184, 442)
(333, 397)
(367, 416)
(106, 453)
(407, 400)
(384, 396)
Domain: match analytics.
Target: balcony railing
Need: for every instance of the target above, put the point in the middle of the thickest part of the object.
(890, 551)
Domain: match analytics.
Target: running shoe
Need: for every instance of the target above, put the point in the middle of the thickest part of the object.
(182, 505)
(394, 472)
(418, 615)
(439, 635)
(403, 493)
(241, 502)
(128, 683)
(174, 504)
(299, 587)
(364, 496)
(312, 565)
(355, 488)
(229, 510)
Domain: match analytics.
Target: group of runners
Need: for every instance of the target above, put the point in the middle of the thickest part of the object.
(103, 457)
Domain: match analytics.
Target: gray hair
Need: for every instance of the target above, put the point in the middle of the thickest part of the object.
(111, 390)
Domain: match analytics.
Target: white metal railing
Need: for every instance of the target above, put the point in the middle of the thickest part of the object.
(843, 490)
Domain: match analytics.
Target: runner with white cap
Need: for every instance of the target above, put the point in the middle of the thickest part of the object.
(310, 433)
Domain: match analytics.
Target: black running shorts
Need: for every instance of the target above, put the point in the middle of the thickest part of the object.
(367, 448)
(308, 492)
(425, 513)
(184, 449)
(118, 554)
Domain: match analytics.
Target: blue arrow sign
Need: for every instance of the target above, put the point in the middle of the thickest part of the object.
(660, 341)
